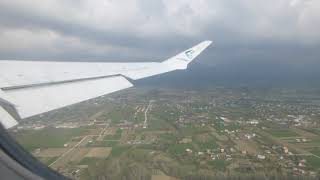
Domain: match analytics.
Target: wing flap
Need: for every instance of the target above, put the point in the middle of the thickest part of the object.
(6, 119)
(35, 100)
(25, 73)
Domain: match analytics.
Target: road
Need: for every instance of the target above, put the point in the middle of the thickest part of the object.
(69, 151)
(102, 133)
(146, 114)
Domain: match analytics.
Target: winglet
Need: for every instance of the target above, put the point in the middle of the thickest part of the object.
(182, 60)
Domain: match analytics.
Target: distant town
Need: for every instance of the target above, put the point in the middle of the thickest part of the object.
(152, 133)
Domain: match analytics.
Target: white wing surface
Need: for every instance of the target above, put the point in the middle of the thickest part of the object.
(28, 88)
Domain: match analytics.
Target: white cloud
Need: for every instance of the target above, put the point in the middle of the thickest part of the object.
(294, 2)
(96, 25)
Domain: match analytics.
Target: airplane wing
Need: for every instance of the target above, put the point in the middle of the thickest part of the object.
(29, 88)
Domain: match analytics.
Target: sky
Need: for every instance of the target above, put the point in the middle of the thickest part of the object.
(255, 36)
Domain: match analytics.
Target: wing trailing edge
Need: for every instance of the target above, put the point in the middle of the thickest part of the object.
(32, 88)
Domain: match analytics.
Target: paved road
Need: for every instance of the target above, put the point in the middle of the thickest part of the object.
(68, 152)
(146, 114)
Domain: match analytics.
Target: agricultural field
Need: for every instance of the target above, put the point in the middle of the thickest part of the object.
(99, 152)
(172, 135)
(283, 133)
(47, 137)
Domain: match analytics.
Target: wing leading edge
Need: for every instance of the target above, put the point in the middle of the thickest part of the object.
(28, 88)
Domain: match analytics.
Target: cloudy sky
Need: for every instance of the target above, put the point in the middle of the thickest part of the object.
(247, 33)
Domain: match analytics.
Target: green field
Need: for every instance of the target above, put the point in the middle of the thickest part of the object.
(315, 151)
(283, 133)
(156, 123)
(140, 117)
(211, 144)
(120, 113)
(168, 137)
(205, 141)
(218, 164)
(314, 130)
(47, 137)
(193, 130)
(116, 136)
(313, 162)
(47, 160)
(314, 142)
(233, 126)
(88, 160)
(178, 149)
(118, 150)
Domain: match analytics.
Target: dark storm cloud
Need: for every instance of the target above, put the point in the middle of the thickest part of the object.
(243, 32)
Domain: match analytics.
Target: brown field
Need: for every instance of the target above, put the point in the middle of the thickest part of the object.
(51, 152)
(163, 177)
(249, 146)
(99, 152)
(78, 154)
(159, 175)
(95, 131)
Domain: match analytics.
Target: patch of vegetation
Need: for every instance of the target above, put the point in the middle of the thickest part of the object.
(218, 164)
(166, 113)
(219, 125)
(155, 123)
(315, 151)
(120, 113)
(211, 144)
(192, 130)
(313, 162)
(313, 130)
(139, 117)
(233, 126)
(168, 137)
(118, 150)
(205, 141)
(314, 142)
(88, 160)
(282, 133)
(116, 136)
(139, 155)
(47, 137)
(178, 149)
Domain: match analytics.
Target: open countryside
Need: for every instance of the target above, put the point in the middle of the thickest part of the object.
(149, 133)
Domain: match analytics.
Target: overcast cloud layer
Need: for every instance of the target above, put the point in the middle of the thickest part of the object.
(246, 32)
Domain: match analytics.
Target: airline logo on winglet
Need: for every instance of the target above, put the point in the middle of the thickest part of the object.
(189, 54)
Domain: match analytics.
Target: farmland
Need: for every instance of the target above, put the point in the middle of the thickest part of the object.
(223, 132)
